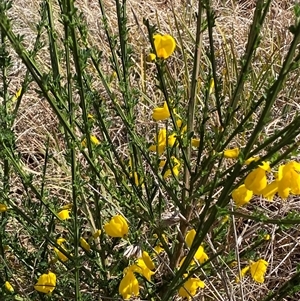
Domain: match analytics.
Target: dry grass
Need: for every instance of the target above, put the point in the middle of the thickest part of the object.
(36, 123)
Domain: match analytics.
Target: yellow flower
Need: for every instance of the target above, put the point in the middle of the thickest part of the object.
(195, 142)
(176, 165)
(62, 257)
(171, 139)
(257, 179)
(117, 227)
(181, 127)
(84, 244)
(242, 273)
(200, 255)
(288, 179)
(252, 159)
(161, 113)
(164, 45)
(141, 268)
(158, 249)
(190, 287)
(135, 177)
(241, 195)
(3, 208)
(231, 153)
(90, 117)
(161, 142)
(148, 261)
(225, 219)
(17, 95)
(64, 214)
(97, 234)
(211, 86)
(94, 141)
(46, 283)
(258, 270)
(189, 238)
(129, 286)
(8, 287)
(151, 57)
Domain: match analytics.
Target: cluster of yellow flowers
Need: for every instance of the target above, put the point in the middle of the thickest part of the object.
(129, 285)
(164, 47)
(164, 140)
(116, 227)
(286, 181)
(144, 265)
(190, 287)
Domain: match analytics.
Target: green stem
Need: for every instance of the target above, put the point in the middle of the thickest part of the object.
(70, 35)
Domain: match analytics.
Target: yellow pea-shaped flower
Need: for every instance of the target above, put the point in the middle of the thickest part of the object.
(164, 45)
(46, 283)
(117, 227)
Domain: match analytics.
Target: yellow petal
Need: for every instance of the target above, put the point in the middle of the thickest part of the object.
(17, 95)
(161, 113)
(201, 258)
(46, 283)
(8, 287)
(160, 143)
(256, 180)
(62, 257)
(96, 234)
(189, 238)
(258, 270)
(148, 261)
(252, 159)
(59, 254)
(158, 249)
(67, 206)
(231, 153)
(90, 117)
(242, 273)
(84, 244)
(151, 57)
(265, 166)
(190, 287)
(270, 190)
(94, 141)
(3, 207)
(129, 286)
(195, 142)
(141, 268)
(241, 195)
(64, 214)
